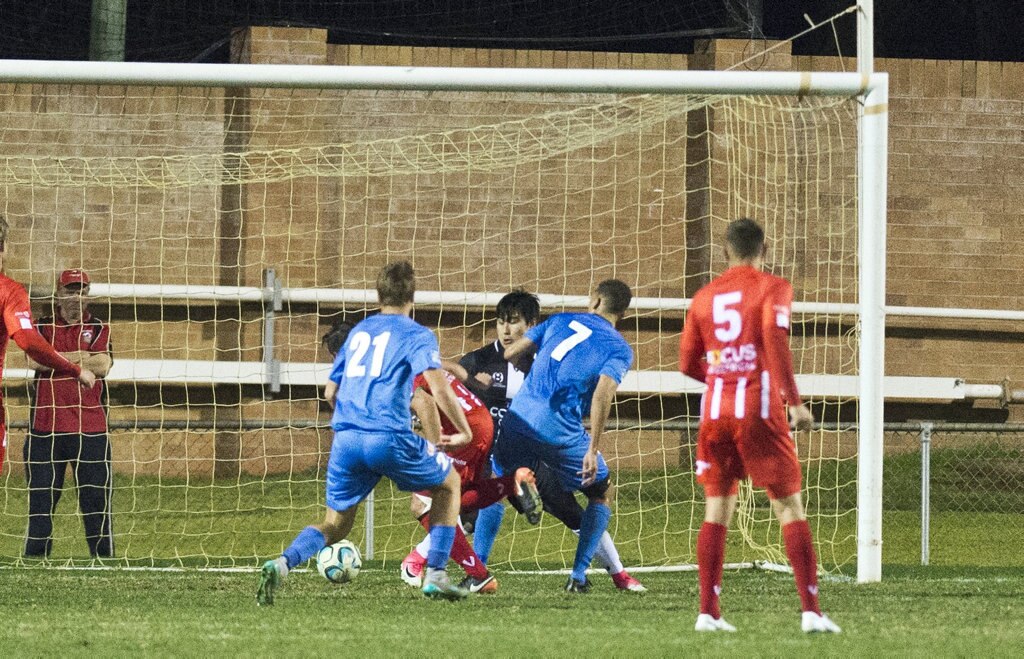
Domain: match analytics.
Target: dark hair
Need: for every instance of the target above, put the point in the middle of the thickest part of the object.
(396, 284)
(519, 302)
(335, 337)
(615, 296)
(745, 237)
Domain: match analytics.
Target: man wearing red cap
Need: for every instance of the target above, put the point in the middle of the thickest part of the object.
(69, 424)
(16, 323)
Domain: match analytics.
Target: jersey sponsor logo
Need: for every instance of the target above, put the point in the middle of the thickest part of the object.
(24, 319)
(702, 466)
(732, 359)
(781, 316)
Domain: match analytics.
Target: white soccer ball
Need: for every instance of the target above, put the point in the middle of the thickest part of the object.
(339, 563)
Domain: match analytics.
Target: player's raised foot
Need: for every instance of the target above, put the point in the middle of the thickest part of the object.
(623, 581)
(527, 498)
(818, 623)
(270, 580)
(578, 587)
(412, 569)
(438, 586)
(708, 623)
(486, 586)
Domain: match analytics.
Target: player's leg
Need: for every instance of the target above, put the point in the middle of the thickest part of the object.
(411, 569)
(796, 534)
(443, 528)
(719, 468)
(488, 523)
(94, 475)
(718, 511)
(45, 482)
(349, 480)
(563, 506)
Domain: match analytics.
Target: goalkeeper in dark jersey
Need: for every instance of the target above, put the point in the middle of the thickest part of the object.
(496, 381)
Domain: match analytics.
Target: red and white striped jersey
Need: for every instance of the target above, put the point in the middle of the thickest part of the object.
(736, 340)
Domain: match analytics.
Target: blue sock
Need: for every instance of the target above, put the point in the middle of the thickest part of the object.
(595, 523)
(305, 545)
(441, 540)
(488, 523)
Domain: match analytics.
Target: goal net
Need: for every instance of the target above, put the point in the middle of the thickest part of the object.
(178, 200)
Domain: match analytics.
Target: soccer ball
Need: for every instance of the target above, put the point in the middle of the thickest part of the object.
(339, 563)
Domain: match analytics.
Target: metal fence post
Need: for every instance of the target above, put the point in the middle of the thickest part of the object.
(368, 544)
(926, 489)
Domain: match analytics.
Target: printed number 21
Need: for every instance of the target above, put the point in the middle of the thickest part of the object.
(359, 346)
(580, 334)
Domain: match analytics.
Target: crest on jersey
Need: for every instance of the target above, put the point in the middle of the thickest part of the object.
(24, 319)
(498, 377)
(87, 334)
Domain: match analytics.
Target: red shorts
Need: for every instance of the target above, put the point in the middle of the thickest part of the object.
(469, 460)
(729, 450)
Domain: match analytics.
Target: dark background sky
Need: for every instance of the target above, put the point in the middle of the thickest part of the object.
(198, 30)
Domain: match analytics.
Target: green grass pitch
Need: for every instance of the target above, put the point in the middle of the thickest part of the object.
(913, 612)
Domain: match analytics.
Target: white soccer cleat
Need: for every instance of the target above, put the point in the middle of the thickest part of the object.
(706, 623)
(814, 623)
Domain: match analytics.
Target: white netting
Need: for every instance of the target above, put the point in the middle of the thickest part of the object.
(482, 192)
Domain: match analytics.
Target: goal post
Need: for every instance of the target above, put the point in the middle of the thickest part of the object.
(588, 170)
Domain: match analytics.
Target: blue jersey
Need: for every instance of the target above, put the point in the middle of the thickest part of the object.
(574, 351)
(374, 371)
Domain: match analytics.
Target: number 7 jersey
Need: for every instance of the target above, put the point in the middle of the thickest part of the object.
(573, 351)
(736, 340)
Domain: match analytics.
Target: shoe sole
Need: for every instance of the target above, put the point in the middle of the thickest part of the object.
(451, 594)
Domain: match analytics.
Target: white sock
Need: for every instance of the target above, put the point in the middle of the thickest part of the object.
(424, 547)
(608, 555)
(282, 566)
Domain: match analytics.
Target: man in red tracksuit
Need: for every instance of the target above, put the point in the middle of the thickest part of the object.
(69, 424)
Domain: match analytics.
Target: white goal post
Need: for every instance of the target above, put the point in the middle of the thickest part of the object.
(871, 169)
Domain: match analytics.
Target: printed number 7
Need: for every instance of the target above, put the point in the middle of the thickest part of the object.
(580, 334)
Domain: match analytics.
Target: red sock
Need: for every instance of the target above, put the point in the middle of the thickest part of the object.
(710, 561)
(479, 495)
(800, 550)
(462, 552)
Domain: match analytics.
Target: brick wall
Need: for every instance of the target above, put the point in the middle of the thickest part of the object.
(956, 185)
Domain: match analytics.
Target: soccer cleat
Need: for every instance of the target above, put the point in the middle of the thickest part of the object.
(412, 569)
(579, 587)
(438, 586)
(623, 581)
(270, 580)
(818, 623)
(707, 623)
(527, 498)
(486, 586)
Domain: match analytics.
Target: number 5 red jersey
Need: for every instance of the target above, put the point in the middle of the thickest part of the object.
(736, 340)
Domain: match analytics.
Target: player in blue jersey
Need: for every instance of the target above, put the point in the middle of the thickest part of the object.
(371, 386)
(579, 362)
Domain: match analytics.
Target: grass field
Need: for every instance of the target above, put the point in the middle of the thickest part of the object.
(914, 612)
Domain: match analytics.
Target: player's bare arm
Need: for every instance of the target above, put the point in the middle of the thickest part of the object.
(425, 408)
(521, 348)
(330, 391)
(600, 408)
(800, 417)
(450, 407)
(455, 368)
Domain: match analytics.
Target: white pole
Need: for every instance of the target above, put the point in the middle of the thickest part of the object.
(432, 78)
(872, 168)
(866, 37)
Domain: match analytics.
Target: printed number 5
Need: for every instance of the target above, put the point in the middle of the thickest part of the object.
(723, 315)
(580, 334)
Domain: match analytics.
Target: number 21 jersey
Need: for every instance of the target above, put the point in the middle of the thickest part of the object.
(374, 372)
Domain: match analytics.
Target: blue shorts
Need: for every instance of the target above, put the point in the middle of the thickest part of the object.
(359, 459)
(518, 445)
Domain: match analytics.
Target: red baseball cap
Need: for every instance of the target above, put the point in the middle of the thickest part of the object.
(76, 276)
